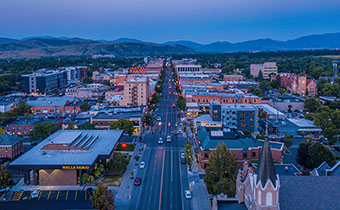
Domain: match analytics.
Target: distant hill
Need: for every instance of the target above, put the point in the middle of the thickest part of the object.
(36, 48)
(322, 41)
(6, 40)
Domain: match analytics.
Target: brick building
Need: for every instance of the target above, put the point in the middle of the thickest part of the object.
(54, 105)
(10, 146)
(245, 148)
(233, 78)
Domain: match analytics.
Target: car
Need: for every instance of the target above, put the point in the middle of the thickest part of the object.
(183, 161)
(187, 194)
(138, 181)
(160, 141)
(182, 155)
(175, 133)
(168, 139)
(173, 105)
(159, 118)
(35, 194)
(142, 164)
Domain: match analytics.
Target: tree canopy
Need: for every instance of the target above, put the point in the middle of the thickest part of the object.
(102, 198)
(42, 131)
(311, 155)
(123, 124)
(181, 104)
(85, 106)
(221, 172)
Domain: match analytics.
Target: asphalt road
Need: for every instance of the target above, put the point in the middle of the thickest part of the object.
(164, 178)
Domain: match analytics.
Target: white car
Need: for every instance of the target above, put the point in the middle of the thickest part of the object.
(168, 139)
(35, 194)
(160, 141)
(187, 194)
(142, 164)
(182, 155)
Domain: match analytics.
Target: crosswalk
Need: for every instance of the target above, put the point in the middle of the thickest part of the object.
(17, 195)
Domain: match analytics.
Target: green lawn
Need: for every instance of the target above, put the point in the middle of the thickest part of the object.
(110, 180)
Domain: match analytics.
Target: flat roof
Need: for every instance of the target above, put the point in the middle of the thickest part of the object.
(302, 122)
(269, 109)
(39, 158)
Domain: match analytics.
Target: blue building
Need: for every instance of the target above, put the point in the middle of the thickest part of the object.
(241, 116)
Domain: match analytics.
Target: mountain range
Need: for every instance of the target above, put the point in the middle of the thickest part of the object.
(44, 46)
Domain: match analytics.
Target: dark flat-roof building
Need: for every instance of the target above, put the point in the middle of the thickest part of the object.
(63, 157)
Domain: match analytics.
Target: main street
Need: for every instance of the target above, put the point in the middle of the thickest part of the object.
(164, 178)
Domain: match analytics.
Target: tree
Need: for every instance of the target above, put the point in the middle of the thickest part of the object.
(42, 131)
(87, 126)
(100, 169)
(221, 172)
(102, 198)
(312, 104)
(311, 155)
(85, 106)
(118, 163)
(70, 125)
(330, 133)
(302, 153)
(317, 154)
(322, 119)
(246, 132)
(260, 76)
(181, 103)
(187, 152)
(2, 131)
(86, 178)
(123, 124)
(87, 80)
(288, 140)
(5, 177)
(148, 118)
(335, 116)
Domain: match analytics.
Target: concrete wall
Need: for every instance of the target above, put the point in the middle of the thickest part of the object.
(57, 177)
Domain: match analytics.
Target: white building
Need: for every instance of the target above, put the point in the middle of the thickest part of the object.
(266, 68)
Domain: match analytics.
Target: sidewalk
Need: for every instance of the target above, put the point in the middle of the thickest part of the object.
(200, 197)
(123, 196)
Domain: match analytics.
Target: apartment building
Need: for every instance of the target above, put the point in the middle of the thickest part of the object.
(266, 69)
(43, 81)
(136, 92)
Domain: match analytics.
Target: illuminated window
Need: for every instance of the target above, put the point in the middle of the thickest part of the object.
(243, 125)
(215, 111)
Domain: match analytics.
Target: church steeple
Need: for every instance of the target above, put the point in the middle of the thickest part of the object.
(266, 169)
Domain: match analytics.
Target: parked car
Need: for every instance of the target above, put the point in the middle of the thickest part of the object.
(168, 139)
(142, 164)
(138, 181)
(183, 161)
(182, 155)
(187, 194)
(160, 141)
(175, 132)
(35, 194)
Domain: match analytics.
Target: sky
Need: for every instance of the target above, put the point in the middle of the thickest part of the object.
(159, 21)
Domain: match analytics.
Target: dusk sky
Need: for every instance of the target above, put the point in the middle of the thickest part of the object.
(163, 20)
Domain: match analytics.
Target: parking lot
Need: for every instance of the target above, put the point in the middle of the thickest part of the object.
(51, 195)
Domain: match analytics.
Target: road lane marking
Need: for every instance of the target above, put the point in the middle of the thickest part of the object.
(75, 196)
(160, 194)
(85, 195)
(66, 194)
(57, 195)
(39, 195)
(49, 194)
(180, 175)
(172, 164)
(30, 196)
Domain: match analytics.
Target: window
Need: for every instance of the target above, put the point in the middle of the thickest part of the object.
(6, 149)
(251, 113)
(244, 155)
(242, 119)
(206, 155)
(243, 125)
(251, 119)
(251, 125)
(243, 113)
(215, 111)
(253, 154)
(215, 116)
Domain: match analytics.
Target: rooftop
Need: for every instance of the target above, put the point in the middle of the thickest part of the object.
(49, 101)
(8, 140)
(101, 143)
